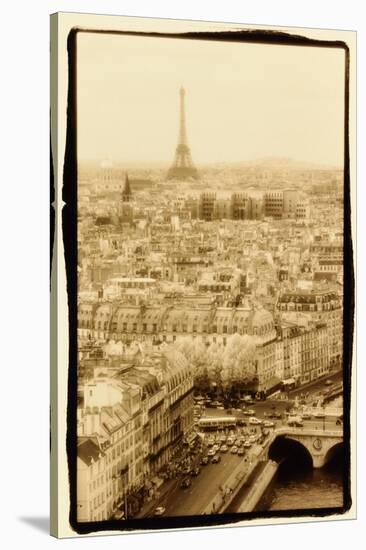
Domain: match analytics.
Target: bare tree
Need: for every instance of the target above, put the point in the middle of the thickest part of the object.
(238, 361)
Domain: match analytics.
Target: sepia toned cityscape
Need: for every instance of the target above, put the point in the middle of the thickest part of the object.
(210, 327)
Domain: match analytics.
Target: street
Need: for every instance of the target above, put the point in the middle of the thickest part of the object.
(204, 488)
(212, 477)
(318, 385)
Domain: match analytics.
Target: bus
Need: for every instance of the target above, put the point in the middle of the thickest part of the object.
(217, 422)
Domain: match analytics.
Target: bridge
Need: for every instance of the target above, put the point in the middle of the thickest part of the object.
(319, 443)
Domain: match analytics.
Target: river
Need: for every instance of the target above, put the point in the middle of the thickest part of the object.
(297, 488)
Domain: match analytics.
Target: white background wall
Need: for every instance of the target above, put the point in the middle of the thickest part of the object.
(24, 127)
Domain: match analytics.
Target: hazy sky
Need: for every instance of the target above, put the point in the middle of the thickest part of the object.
(243, 101)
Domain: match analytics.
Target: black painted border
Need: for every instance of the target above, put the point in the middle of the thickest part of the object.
(69, 227)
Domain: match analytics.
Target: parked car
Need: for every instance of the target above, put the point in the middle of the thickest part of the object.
(230, 441)
(268, 424)
(241, 422)
(254, 421)
(215, 459)
(211, 452)
(319, 414)
(247, 399)
(241, 452)
(223, 449)
(249, 412)
(234, 450)
(305, 415)
(204, 461)
(328, 382)
(185, 483)
(247, 444)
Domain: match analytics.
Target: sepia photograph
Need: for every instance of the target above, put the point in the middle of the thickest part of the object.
(208, 254)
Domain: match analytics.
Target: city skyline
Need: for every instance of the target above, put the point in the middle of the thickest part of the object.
(289, 102)
(207, 197)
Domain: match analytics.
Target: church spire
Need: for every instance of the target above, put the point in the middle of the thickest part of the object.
(126, 193)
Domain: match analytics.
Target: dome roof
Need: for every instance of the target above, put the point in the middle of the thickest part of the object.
(106, 163)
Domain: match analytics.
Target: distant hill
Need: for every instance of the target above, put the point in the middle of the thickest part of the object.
(266, 163)
(133, 165)
(274, 163)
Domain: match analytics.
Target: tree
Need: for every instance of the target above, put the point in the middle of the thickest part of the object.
(214, 358)
(195, 352)
(238, 361)
(223, 367)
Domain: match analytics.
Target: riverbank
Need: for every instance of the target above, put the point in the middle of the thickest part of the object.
(246, 487)
(259, 487)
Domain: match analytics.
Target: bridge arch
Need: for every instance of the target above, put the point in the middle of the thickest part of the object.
(286, 448)
(333, 451)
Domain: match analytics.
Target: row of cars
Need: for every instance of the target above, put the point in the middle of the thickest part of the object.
(235, 444)
(253, 421)
(221, 404)
(296, 418)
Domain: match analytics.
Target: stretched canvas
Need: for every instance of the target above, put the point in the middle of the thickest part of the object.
(202, 285)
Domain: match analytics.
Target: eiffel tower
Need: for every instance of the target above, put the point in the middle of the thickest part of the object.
(182, 167)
